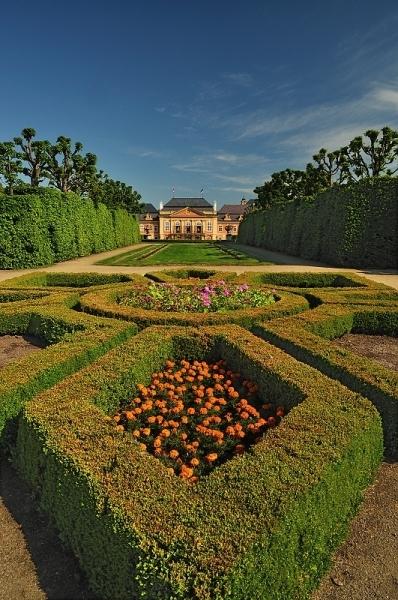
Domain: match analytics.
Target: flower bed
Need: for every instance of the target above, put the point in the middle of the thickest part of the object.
(107, 302)
(194, 416)
(213, 297)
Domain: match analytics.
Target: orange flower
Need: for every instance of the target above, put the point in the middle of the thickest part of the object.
(191, 411)
(194, 462)
(146, 431)
(174, 454)
(119, 428)
(165, 433)
(186, 472)
(211, 457)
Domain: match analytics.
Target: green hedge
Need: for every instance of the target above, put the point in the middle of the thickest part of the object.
(52, 226)
(354, 225)
(308, 337)
(73, 339)
(262, 525)
(72, 280)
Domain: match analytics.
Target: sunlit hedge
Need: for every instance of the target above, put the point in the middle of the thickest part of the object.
(263, 525)
(51, 226)
(354, 225)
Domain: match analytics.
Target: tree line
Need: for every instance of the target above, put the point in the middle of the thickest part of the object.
(62, 165)
(371, 155)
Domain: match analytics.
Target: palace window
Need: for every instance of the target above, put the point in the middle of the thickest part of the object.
(178, 227)
(209, 226)
(220, 228)
(166, 226)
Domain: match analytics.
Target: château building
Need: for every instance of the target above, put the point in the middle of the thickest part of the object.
(191, 219)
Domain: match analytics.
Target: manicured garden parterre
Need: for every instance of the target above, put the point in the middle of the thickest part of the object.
(180, 253)
(199, 455)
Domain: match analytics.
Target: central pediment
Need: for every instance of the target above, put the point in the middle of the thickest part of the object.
(186, 213)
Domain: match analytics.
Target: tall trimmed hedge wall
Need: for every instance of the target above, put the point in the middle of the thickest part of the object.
(354, 226)
(50, 226)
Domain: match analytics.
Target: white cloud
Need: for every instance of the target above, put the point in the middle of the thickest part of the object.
(244, 180)
(387, 97)
(241, 79)
(235, 189)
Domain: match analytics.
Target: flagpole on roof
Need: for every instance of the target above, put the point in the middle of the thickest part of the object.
(173, 191)
(201, 192)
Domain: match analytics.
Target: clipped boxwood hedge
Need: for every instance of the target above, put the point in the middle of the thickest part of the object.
(176, 275)
(308, 337)
(71, 280)
(49, 226)
(105, 303)
(311, 280)
(73, 339)
(353, 225)
(262, 525)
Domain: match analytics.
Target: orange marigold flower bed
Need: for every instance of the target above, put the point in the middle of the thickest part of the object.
(195, 415)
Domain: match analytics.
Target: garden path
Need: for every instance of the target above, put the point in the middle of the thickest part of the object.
(283, 262)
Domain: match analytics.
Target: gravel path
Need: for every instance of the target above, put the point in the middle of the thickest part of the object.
(283, 262)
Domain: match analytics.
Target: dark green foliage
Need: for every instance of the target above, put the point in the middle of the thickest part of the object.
(73, 280)
(309, 280)
(50, 226)
(354, 225)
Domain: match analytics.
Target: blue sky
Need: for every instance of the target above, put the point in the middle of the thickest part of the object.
(207, 94)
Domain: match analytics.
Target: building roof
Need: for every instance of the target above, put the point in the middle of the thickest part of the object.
(187, 203)
(232, 209)
(149, 208)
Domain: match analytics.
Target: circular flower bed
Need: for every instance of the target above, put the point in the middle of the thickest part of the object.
(193, 416)
(213, 297)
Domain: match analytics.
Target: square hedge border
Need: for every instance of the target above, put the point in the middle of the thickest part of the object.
(264, 524)
(74, 340)
(308, 338)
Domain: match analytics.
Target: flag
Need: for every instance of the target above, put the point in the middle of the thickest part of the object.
(173, 190)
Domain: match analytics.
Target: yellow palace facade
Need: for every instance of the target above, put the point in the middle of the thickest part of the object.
(191, 219)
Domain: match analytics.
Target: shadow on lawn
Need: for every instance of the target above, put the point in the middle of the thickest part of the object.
(58, 572)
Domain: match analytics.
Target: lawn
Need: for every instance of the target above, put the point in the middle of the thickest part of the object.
(182, 254)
